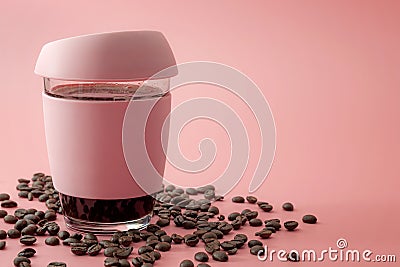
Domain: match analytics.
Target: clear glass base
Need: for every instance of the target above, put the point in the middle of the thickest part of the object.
(106, 228)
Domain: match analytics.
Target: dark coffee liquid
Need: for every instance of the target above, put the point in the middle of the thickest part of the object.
(106, 211)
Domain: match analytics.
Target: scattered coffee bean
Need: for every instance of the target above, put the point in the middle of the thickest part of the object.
(125, 241)
(27, 252)
(28, 240)
(264, 234)
(9, 204)
(221, 217)
(255, 222)
(20, 260)
(163, 246)
(191, 191)
(201, 256)
(253, 243)
(79, 250)
(291, 225)
(4, 196)
(2, 245)
(178, 239)
(273, 223)
(124, 263)
(310, 219)
(11, 219)
(233, 215)
(227, 245)
(3, 213)
(257, 250)
(63, 235)
(57, 264)
(111, 261)
(148, 257)
(123, 253)
(94, 250)
(241, 237)
(288, 206)
(251, 199)
(3, 234)
(163, 222)
(186, 263)
(13, 233)
(52, 241)
(191, 240)
(266, 207)
(238, 199)
(220, 256)
(137, 261)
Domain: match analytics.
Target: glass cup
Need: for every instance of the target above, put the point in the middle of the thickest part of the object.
(84, 121)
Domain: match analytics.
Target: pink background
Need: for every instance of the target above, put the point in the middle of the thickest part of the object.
(329, 69)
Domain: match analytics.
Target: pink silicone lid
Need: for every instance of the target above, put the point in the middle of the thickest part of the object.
(113, 56)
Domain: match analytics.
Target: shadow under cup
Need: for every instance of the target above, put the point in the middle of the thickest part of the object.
(84, 127)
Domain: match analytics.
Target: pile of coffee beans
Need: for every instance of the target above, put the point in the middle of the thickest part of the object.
(191, 210)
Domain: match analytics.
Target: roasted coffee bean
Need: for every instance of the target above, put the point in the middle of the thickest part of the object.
(28, 240)
(264, 234)
(209, 235)
(109, 252)
(3, 234)
(3, 213)
(293, 256)
(238, 243)
(27, 252)
(220, 256)
(241, 237)
(19, 260)
(152, 243)
(191, 240)
(11, 219)
(23, 180)
(4, 196)
(233, 215)
(178, 239)
(214, 210)
(21, 224)
(238, 199)
(124, 263)
(29, 230)
(189, 224)
(148, 257)
(163, 246)
(108, 243)
(266, 207)
(43, 197)
(77, 236)
(57, 264)
(203, 265)
(89, 242)
(251, 215)
(166, 238)
(191, 191)
(257, 250)
(225, 228)
(274, 224)
(32, 217)
(52, 241)
(203, 189)
(218, 233)
(13, 233)
(137, 261)
(270, 228)
(63, 235)
(201, 256)
(152, 228)
(221, 217)
(287, 206)
(111, 261)
(144, 249)
(41, 231)
(90, 236)
(209, 194)
(163, 222)
(79, 250)
(232, 251)
(20, 213)
(125, 240)
(310, 219)
(23, 194)
(53, 228)
(150, 238)
(227, 245)
(255, 222)
(291, 225)
(50, 216)
(2, 245)
(160, 233)
(186, 263)
(30, 196)
(253, 243)
(123, 253)
(212, 246)
(94, 250)
(251, 199)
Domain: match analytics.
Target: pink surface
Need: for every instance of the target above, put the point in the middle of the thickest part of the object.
(329, 70)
